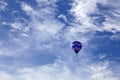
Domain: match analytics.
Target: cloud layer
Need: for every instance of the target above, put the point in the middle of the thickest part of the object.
(42, 34)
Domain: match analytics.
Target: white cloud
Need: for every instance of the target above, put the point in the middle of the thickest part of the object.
(4, 23)
(44, 27)
(27, 8)
(6, 76)
(102, 72)
(17, 26)
(83, 8)
(3, 5)
(61, 16)
(18, 47)
(62, 72)
(44, 3)
(43, 23)
(102, 56)
(115, 37)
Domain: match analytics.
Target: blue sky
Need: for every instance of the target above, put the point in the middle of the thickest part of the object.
(36, 37)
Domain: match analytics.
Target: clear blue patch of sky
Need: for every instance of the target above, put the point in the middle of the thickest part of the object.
(106, 46)
(40, 58)
(104, 33)
(103, 7)
(6, 60)
(37, 58)
(4, 31)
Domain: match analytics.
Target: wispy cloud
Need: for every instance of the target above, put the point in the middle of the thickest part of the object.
(60, 71)
(44, 34)
(3, 5)
(83, 9)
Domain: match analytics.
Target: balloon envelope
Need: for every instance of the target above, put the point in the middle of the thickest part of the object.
(76, 46)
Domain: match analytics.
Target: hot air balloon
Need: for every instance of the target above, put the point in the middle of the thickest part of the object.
(76, 46)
